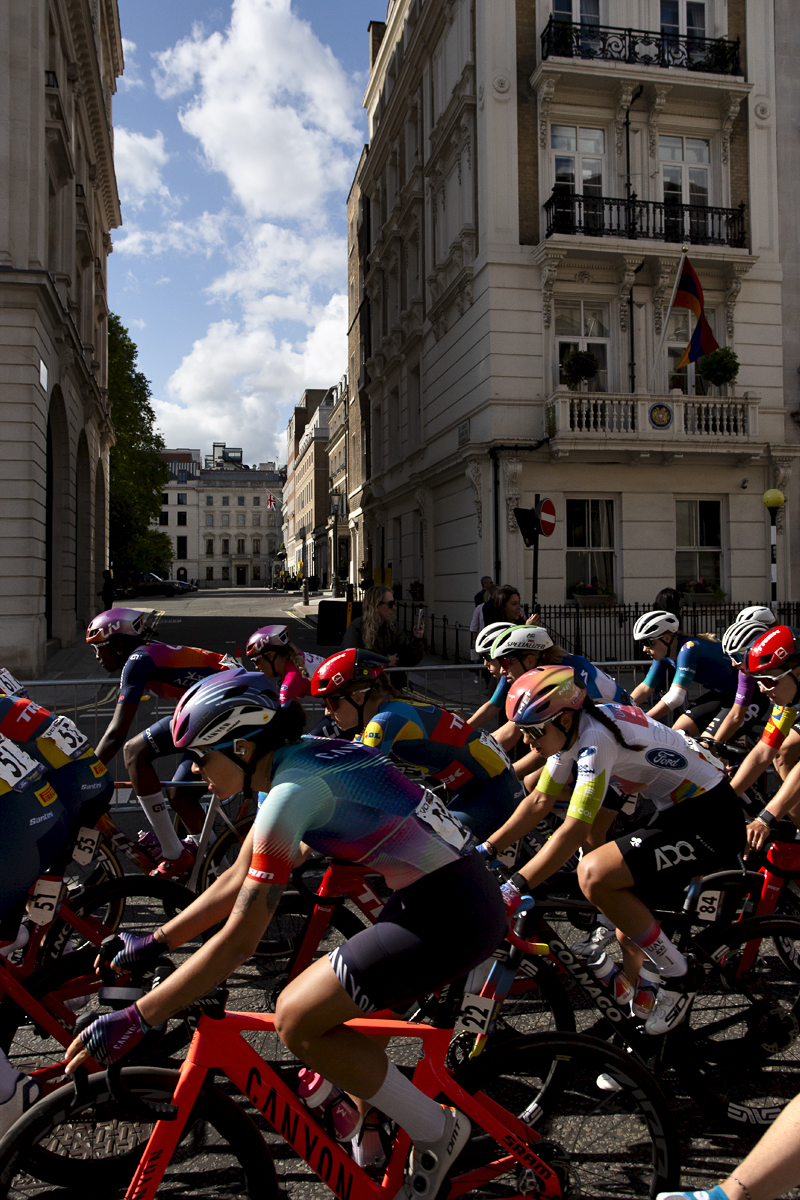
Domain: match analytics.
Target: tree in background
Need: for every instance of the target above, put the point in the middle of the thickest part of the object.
(137, 473)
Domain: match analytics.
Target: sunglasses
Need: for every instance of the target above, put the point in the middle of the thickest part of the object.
(389, 603)
(651, 642)
(333, 702)
(772, 680)
(536, 731)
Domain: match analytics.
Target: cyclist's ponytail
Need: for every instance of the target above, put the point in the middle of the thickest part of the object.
(598, 715)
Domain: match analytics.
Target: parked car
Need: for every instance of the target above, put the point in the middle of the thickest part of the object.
(153, 585)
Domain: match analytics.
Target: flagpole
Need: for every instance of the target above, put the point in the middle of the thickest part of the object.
(684, 252)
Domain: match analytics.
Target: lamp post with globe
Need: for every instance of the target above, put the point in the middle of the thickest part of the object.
(773, 500)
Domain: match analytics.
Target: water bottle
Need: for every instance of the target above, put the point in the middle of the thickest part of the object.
(325, 1099)
(647, 985)
(610, 973)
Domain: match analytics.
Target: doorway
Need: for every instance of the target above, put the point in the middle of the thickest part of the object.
(241, 576)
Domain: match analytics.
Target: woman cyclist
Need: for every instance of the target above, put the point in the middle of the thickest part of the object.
(270, 652)
(497, 701)
(698, 658)
(349, 802)
(480, 779)
(613, 748)
(751, 706)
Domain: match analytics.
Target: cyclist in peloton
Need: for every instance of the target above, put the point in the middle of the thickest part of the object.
(751, 707)
(51, 783)
(496, 703)
(121, 642)
(701, 658)
(346, 801)
(697, 828)
(270, 652)
(484, 789)
(774, 662)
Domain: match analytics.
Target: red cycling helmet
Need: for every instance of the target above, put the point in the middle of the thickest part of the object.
(775, 652)
(338, 672)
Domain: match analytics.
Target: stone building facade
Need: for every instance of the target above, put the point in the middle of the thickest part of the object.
(59, 61)
(533, 170)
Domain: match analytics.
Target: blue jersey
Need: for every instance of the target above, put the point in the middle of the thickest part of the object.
(347, 801)
(697, 660)
(599, 686)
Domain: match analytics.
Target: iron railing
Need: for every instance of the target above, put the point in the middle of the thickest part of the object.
(568, 39)
(656, 220)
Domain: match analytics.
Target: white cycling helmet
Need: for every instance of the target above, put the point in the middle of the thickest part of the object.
(756, 612)
(521, 639)
(488, 635)
(654, 624)
(739, 637)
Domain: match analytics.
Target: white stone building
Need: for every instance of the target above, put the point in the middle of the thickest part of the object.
(532, 173)
(225, 521)
(59, 61)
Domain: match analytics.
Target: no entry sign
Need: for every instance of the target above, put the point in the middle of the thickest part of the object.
(546, 515)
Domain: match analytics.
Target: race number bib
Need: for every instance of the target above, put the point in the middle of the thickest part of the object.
(443, 823)
(85, 845)
(17, 768)
(67, 737)
(488, 740)
(708, 905)
(475, 1014)
(45, 900)
(8, 684)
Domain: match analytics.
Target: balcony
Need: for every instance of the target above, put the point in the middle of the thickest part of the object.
(586, 419)
(655, 220)
(711, 56)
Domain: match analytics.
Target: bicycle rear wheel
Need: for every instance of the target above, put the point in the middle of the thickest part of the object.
(609, 1145)
(91, 1143)
(739, 1050)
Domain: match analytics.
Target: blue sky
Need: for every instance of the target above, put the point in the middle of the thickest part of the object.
(238, 125)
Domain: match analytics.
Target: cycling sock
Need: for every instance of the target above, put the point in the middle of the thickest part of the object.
(422, 1118)
(157, 812)
(661, 951)
(8, 1078)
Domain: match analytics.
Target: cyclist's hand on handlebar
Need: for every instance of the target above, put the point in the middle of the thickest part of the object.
(135, 949)
(107, 1038)
(758, 834)
(514, 891)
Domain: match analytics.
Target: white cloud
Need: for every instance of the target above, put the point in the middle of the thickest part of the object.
(273, 109)
(131, 77)
(138, 160)
(200, 235)
(163, 279)
(137, 322)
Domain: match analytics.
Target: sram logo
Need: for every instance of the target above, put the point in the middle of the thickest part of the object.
(670, 856)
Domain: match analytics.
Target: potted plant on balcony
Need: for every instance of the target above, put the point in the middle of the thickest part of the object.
(720, 367)
(702, 591)
(592, 595)
(579, 366)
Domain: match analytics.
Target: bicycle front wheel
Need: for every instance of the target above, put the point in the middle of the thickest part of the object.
(608, 1142)
(92, 1144)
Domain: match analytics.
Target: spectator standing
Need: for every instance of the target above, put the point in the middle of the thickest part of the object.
(375, 630)
(487, 588)
(107, 591)
(505, 605)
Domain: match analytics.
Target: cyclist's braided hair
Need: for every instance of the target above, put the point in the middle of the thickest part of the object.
(598, 715)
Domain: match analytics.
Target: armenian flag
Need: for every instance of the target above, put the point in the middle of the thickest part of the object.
(689, 294)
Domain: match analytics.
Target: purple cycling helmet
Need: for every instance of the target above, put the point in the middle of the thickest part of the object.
(221, 709)
(116, 622)
(268, 637)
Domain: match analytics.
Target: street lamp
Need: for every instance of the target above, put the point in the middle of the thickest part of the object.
(773, 500)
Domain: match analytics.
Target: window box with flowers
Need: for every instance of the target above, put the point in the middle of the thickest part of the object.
(592, 595)
(702, 591)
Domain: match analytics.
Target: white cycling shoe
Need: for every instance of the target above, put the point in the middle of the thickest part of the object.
(594, 942)
(673, 1001)
(430, 1161)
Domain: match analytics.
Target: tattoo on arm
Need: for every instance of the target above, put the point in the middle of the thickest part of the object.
(246, 898)
(274, 894)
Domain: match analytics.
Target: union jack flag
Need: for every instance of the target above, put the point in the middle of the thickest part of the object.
(270, 501)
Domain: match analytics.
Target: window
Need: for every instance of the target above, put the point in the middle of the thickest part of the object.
(181, 497)
(226, 573)
(698, 530)
(209, 547)
(256, 571)
(226, 518)
(209, 572)
(182, 518)
(209, 500)
(684, 174)
(209, 518)
(226, 501)
(181, 478)
(241, 519)
(578, 156)
(256, 518)
(240, 546)
(683, 16)
(590, 546)
(585, 11)
(165, 497)
(256, 501)
(181, 547)
(163, 518)
(240, 501)
(225, 546)
(679, 331)
(256, 545)
(583, 325)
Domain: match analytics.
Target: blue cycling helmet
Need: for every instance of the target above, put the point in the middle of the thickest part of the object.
(219, 710)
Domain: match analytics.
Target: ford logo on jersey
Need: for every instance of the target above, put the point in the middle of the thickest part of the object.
(667, 758)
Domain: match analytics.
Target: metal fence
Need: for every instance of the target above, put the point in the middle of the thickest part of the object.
(589, 626)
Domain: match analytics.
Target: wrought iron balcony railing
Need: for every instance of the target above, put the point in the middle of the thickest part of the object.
(568, 39)
(657, 220)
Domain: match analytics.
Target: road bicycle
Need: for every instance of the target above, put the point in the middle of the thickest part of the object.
(541, 1125)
